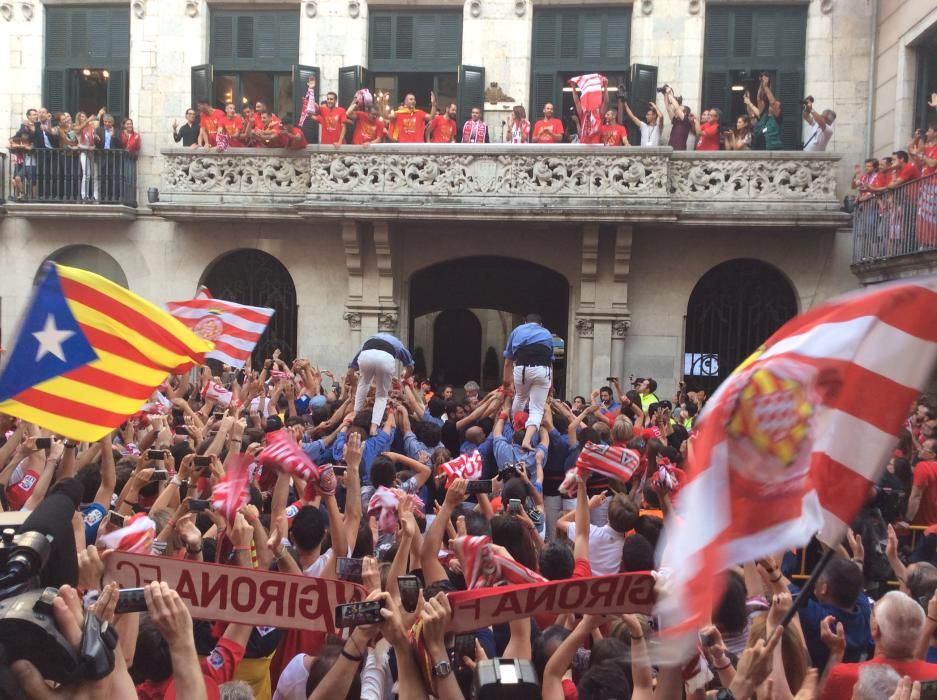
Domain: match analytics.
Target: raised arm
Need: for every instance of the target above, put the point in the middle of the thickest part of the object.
(108, 474)
(432, 541)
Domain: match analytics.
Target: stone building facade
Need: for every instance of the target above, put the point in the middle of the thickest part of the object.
(644, 262)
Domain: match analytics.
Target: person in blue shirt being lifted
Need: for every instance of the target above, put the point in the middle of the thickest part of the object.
(376, 360)
(528, 365)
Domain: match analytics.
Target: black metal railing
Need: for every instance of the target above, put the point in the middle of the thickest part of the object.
(901, 221)
(3, 180)
(73, 176)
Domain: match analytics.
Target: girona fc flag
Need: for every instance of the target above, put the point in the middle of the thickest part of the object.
(793, 441)
(233, 328)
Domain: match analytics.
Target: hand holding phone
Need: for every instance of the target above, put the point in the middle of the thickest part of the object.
(158, 455)
(474, 486)
(514, 506)
(43, 443)
(349, 569)
(130, 600)
(367, 612)
(409, 587)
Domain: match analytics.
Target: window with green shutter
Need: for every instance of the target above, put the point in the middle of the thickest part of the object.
(741, 43)
(571, 41)
(428, 41)
(259, 40)
(87, 58)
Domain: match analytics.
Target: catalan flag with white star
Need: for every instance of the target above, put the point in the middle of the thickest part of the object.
(89, 353)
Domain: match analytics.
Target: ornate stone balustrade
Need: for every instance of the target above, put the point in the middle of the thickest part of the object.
(562, 182)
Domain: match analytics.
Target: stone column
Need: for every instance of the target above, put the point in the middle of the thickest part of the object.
(601, 352)
(585, 329)
(619, 329)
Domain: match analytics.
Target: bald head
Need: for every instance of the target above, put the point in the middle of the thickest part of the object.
(475, 435)
(897, 621)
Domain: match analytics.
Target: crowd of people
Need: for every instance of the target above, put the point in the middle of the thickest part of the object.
(56, 157)
(396, 461)
(897, 197)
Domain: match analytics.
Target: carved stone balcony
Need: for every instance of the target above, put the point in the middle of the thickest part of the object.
(503, 182)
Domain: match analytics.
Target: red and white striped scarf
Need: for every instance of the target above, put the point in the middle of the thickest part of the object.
(284, 454)
(310, 106)
(385, 504)
(590, 100)
(474, 132)
(230, 494)
(612, 461)
(462, 467)
(483, 567)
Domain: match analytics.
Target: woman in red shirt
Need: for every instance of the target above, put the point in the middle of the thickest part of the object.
(129, 137)
(707, 130)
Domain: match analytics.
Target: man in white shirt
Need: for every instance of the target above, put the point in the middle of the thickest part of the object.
(650, 130)
(821, 130)
(605, 541)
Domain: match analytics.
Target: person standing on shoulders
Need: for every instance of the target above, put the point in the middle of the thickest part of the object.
(528, 369)
(376, 360)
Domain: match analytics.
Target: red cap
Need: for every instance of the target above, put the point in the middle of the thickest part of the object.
(520, 420)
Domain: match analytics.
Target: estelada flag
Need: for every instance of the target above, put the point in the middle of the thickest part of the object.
(233, 328)
(90, 353)
(793, 441)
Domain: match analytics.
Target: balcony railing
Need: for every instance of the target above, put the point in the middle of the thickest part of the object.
(530, 182)
(72, 176)
(897, 223)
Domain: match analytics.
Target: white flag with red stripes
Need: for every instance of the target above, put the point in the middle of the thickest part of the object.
(233, 328)
(792, 442)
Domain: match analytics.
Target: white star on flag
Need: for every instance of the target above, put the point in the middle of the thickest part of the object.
(50, 340)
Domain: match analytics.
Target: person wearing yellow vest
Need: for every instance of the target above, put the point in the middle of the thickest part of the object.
(646, 388)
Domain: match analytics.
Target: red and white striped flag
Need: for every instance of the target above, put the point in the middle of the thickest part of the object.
(233, 328)
(792, 442)
(590, 100)
(462, 467)
(284, 454)
(230, 494)
(483, 567)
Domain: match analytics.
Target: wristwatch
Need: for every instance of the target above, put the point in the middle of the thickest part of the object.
(442, 669)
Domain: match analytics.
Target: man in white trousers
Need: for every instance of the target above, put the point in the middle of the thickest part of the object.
(377, 362)
(528, 364)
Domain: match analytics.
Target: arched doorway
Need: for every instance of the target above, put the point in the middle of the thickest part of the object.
(497, 292)
(87, 257)
(457, 347)
(733, 308)
(259, 279)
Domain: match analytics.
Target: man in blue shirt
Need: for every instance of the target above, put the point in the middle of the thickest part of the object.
(376, 360)
(607, 402)
(528, 365)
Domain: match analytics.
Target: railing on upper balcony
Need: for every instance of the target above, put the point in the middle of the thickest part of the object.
(73, 176)
(899, 222)
(3, 180)
(529, 181)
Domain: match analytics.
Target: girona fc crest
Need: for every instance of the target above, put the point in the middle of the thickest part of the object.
(769, 428)
(209, 328)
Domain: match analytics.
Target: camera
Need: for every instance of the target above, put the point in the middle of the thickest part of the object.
(622, 92)
(508, 471)
(662, 89)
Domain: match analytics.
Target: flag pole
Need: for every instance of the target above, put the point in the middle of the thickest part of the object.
(809, 586)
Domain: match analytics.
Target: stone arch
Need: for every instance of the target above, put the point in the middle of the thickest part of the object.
(734, 307)
(90, 258)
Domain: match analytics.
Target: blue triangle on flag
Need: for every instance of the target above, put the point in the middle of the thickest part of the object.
(50, 341)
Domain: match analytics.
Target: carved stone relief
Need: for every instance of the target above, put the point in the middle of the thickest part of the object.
(753, 180)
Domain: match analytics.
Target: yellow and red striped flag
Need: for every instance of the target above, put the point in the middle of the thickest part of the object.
(793, 441)
(89, 353)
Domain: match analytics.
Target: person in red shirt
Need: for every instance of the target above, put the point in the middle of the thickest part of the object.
(333, 120)
(590, 132)
(271, 134)
(369, 127)
(707, 130)
(611, 132)
(905, 170)
(926, 155)
(549, 129)
(232, 125)
(442, 127)
(246, 137)
(408, 125)
(897, 622)
(209, 119)
(295, 139)
(129, 137)
(922, 504)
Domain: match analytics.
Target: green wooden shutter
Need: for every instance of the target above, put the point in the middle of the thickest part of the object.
(544, 41)
(717, 33)
(350, 80)
(202, 79)
(403, 37)
(569, 35)
(117, 95)
(545, 85)
(793, 33)
(78, 36)
(449, 45)
(99, 28)
(471, 90)
(618, 27)
(244, 37)
(380, 37)
(592, 30)
(301, 75)
(55, 89)
(57, 33)
(790, 91)
(265, 37)
(742, 32)
(765, 33)
(716, 94)
(643, 89)
(120, 35)
(222, 38)
(287, 48)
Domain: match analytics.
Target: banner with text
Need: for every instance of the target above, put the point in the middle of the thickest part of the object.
(238, 594)
(291, 601)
